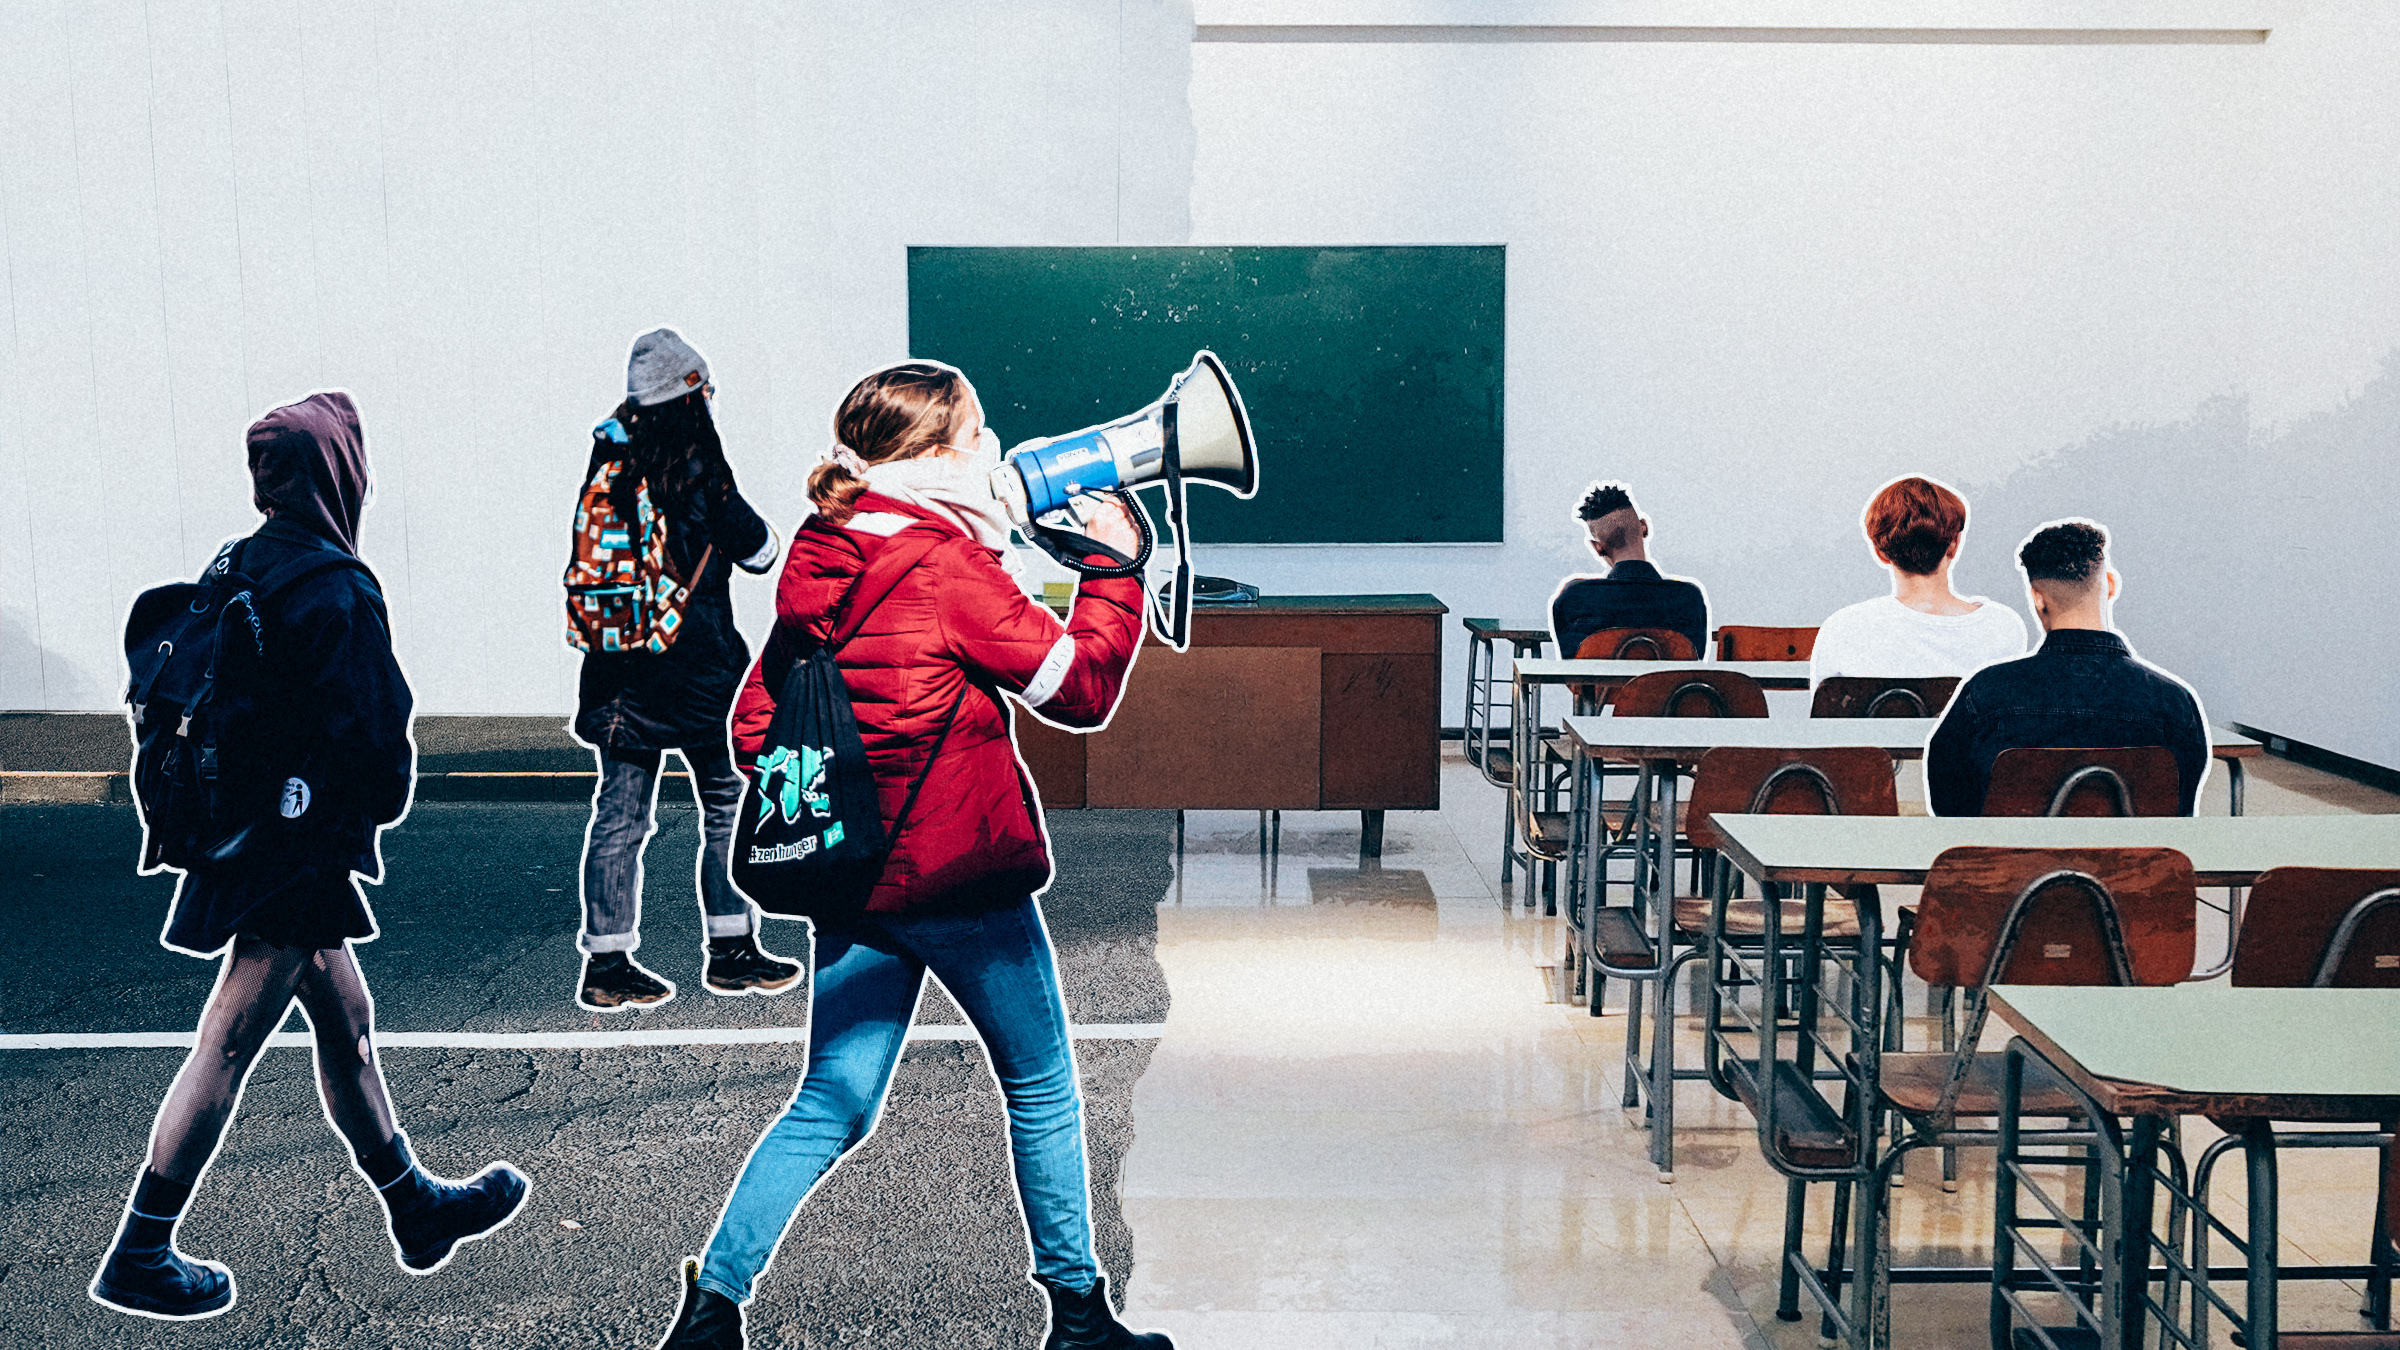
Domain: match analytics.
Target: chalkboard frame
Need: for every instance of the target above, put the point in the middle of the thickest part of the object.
(1374, 374)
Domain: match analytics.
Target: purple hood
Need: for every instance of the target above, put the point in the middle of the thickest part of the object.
(308, 465)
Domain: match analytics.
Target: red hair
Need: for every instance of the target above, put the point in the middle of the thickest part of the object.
(1914, 522)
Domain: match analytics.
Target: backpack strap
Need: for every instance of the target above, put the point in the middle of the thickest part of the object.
(880, 579)
(891, 837)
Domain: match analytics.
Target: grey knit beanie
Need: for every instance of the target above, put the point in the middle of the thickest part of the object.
(663, 366)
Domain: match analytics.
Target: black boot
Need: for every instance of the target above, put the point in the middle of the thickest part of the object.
(707, 1320)
(430, 1217)
(145, 1274)
(612, 982)
(1085, 1322)
(737, 966)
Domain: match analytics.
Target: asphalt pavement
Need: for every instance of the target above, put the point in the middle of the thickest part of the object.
(915, 1240)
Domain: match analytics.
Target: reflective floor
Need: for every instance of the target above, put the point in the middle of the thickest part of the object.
(1369, 1124)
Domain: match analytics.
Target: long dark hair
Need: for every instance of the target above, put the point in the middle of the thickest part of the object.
(672, 446)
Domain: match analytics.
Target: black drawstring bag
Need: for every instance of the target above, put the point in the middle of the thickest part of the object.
(811, 839)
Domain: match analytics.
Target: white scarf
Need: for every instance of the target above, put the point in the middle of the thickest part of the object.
(956, 488)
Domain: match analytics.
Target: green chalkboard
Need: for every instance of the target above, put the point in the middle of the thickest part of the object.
(1372, 375)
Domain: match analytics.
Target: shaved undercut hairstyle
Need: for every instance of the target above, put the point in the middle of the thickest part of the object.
(2068, 553)
(1606, 499)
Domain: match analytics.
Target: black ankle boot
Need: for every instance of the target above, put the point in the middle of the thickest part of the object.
(1085, 1322)
(707, 1320)
(614, 981)
(737, 966)
(430, 1217)
(145, 1274)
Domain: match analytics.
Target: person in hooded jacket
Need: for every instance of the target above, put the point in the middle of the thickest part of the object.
(634, 706)
(925, 667)
(285, 913)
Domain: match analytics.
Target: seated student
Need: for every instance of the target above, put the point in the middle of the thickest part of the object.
(2084, 687)
(1923, 627)
(1633, 594)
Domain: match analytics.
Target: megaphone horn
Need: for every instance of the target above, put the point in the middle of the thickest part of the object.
(1196, 431)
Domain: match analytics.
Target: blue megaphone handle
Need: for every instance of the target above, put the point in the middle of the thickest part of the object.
(1057, 473)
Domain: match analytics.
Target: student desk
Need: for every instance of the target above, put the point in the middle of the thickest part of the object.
(1814, 852)
(2137, 1059)
(1661, 746)
(1527, 735)
(1297, 702)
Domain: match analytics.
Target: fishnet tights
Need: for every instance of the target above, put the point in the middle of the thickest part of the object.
(253, 993)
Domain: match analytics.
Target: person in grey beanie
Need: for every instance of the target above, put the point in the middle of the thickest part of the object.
(635, 705)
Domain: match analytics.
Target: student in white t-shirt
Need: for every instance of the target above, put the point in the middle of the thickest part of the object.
(1923, 627)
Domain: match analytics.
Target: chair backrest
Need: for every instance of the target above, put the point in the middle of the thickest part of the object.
(2321, 927)
(1690, 693)
(1883, 696)
(2082, 916)
(2056, 916)
(2114, 781)
(1853, 780)
(1636, 644)
(1750, 642)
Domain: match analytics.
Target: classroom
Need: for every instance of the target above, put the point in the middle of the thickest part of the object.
(1435, 976)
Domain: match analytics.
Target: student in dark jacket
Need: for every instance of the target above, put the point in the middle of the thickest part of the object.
(1633, 594)
(634, 706)
(285, 911)
(2083, 688)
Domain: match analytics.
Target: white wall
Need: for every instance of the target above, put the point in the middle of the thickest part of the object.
(2152, 282)
(463, 213)
(2149, 282)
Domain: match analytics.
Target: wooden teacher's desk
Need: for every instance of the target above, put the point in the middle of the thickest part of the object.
(1295, 703)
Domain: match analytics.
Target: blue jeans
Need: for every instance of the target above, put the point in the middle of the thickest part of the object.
(624, 812)
(997, 967)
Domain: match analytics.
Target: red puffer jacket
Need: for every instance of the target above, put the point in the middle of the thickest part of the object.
(975, 840)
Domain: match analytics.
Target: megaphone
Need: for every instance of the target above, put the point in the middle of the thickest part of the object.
(1195, 432)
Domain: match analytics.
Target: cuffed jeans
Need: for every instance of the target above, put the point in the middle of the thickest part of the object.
(624, 813)
(997, 967)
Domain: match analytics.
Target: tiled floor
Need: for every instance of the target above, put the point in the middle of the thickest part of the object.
(1367, 1126)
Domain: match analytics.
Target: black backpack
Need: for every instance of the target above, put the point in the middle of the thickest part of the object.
(215, 758)
(811, 840)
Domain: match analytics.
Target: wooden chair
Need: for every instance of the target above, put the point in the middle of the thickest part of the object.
(1853, 780)
(1883, 696)
(1749, 642)
(2113, 781)
(2093, 916)
(2318, 928)
(1698, 692)
(1694, 692)
(1636, 644)
(1488, 745)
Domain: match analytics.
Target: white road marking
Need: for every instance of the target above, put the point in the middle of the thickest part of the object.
(539, 1040)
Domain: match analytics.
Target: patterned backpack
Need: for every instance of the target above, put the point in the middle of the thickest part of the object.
(622, 593)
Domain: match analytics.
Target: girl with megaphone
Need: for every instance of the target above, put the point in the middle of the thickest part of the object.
(925, 666)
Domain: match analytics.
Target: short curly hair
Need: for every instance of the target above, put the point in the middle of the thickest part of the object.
(1605, 499)
(2071, 551)
(1914, 522)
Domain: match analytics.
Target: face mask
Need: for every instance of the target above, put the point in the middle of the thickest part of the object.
(987, 454)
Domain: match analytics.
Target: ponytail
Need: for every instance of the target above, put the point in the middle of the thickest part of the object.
(835, 492)
(898, 412)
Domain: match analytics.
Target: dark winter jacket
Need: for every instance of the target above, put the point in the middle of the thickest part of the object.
(641, 701)
(956, 622)
(340, 699)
